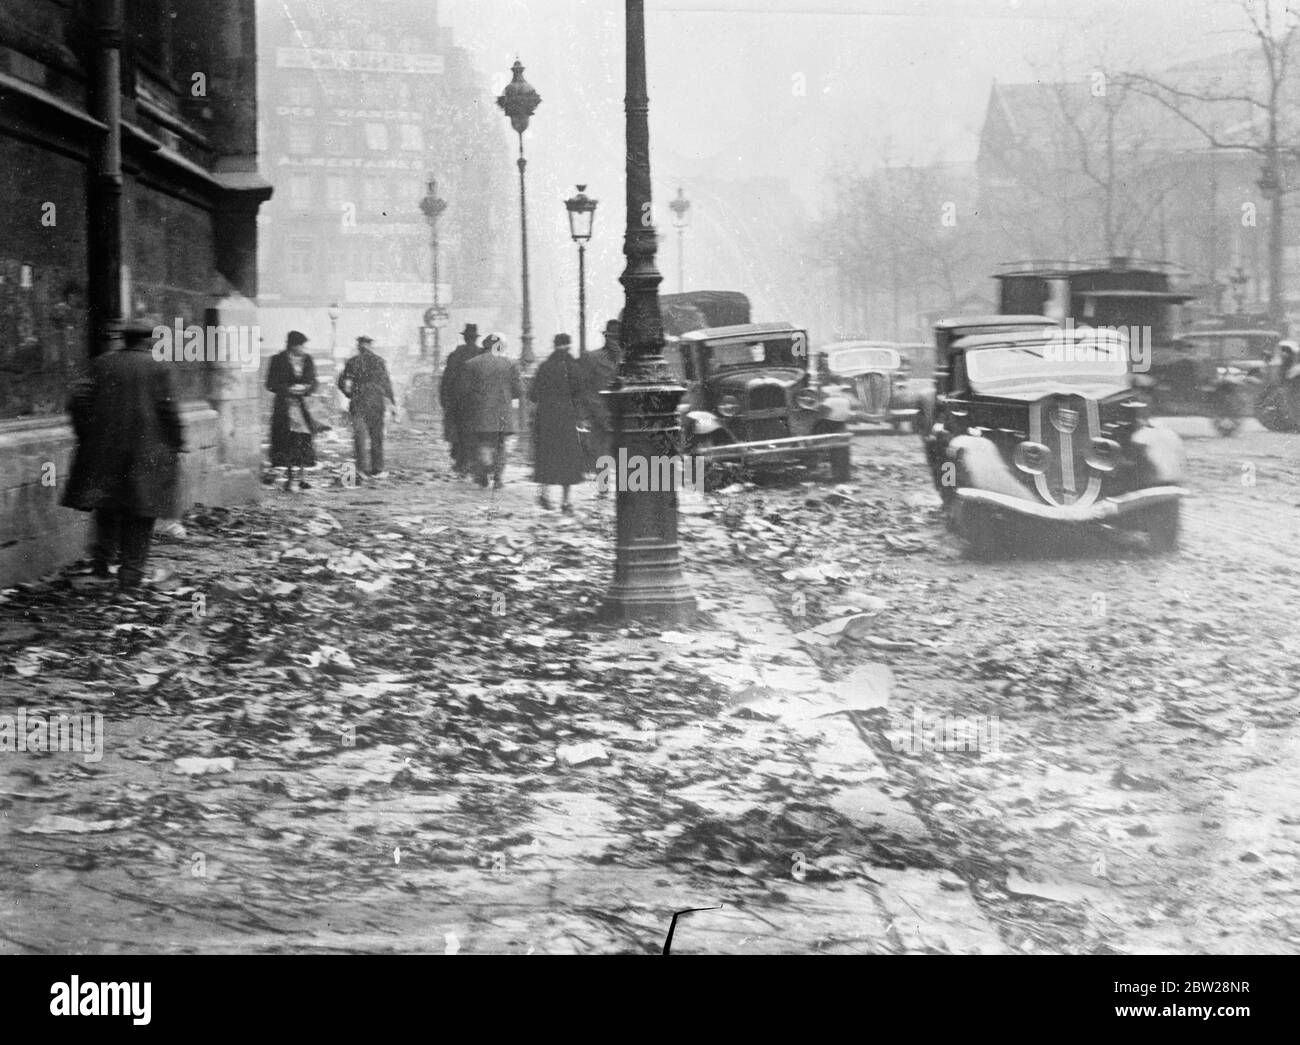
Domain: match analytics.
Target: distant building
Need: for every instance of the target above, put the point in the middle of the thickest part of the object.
(361, 104)
(190, 191)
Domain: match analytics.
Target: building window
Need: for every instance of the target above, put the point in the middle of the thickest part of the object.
(402, 93)
(336, 139)
(372, 91)
(299, 95)
(374, 195)
(336, 190)
(412, 137)
(377, 137)
(300, 138)
(300, 192)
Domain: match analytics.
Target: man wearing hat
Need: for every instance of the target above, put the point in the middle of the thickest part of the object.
(125, 467)
(365, 382)
(492, 383)
(452, 396)
(599, 369)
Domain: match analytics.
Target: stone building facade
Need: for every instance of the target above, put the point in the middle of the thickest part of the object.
(189, 195)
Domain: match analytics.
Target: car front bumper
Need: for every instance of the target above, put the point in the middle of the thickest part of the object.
(777, 449)
(1104, 510)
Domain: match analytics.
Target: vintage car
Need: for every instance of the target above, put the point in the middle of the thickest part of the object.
(885, 382)
(1036, 424)
(749, 399)
(1219, 374)
(1279, 403)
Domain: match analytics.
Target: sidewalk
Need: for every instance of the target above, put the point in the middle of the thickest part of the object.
(436, 748)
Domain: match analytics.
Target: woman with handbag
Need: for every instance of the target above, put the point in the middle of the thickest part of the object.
(558, 457)
(291, 378)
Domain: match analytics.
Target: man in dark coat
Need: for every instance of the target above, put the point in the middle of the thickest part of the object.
(491, 382)
(599, 369)
(452, 397)
(558, 458)
(365, 382)
(124, 468)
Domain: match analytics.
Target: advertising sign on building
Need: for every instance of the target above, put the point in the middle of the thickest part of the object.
(357, 61)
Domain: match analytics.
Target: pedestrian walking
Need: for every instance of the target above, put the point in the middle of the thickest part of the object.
(365, 382)
(291, 378)
(124, 468)
(558, 457)
(598, 370)
(451, 395)
(492, 386)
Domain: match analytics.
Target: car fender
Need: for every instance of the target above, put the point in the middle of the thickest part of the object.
(1160, 454)
(701, 422)
(1143, 381)
(835, 408)
(982, 466)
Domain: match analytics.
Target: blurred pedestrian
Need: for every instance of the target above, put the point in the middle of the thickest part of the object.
(291, 377)
(452, 397)
(598, 370)
(558, 458)
(365, 382)
(125, 468)
(492, 387)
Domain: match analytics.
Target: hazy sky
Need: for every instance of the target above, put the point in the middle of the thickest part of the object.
(783, 89)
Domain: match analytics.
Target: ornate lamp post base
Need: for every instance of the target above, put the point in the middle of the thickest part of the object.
(648, 579)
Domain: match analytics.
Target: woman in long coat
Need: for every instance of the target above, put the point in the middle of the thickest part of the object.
(558, 458)
(291, 378)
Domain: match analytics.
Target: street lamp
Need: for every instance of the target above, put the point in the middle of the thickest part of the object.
(681, 208)
(582, 215)
(1239, 279)
(519, 101)
(433, 209)
(334, 312)
(648, 579)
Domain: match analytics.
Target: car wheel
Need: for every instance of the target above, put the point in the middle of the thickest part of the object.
(975, 529)
(1274, 411)
(841, 460)
(1230, 408)
(1162, 525)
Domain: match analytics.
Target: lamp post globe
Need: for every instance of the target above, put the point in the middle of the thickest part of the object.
(582, 217)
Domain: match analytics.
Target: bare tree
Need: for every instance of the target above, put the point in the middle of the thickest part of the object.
(1264, 132)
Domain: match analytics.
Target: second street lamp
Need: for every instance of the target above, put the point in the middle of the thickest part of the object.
(582, 216)
(681, 208)
(433, 209)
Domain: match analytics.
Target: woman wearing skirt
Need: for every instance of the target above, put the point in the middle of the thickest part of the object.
(291, 378)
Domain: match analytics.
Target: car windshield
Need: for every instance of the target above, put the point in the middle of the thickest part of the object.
(1225, 348)
(774, 351)
(1064, 361)
(849, 361)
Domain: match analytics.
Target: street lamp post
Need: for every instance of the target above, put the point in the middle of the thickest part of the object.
(648, 579)
(334, 312)
(681, 208)
(582, 215)
(433, 209)
(519, 101)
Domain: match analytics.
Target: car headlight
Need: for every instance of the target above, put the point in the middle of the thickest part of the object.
(728, 406)
(806, 399)
(1032, 458)
(1103, 455)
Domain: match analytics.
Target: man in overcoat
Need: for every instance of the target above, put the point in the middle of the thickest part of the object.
(452, 397)
(491, 382)
(124, 468)
(365, 382)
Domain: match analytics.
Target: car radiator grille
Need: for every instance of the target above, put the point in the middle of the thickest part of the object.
(765, 428)
(874, 393)
(767, 397)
